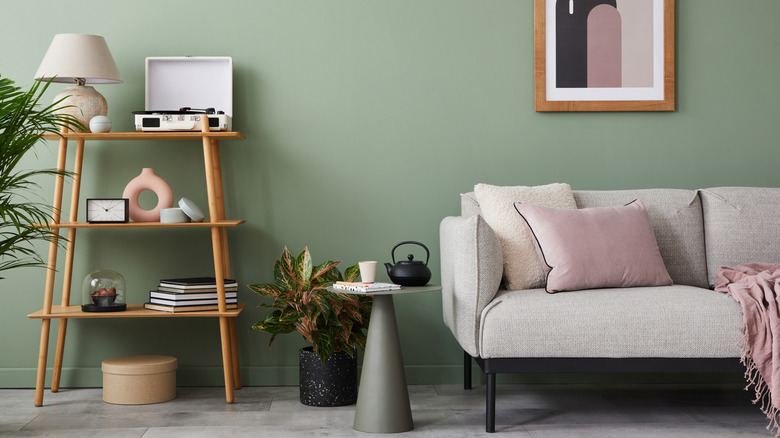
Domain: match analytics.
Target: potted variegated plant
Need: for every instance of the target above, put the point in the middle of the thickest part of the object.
(333, 323)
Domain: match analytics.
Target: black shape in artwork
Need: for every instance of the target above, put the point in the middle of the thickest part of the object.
(571, 41)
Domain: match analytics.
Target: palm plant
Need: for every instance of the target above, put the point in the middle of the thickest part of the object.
(330, 321)
(22, 125)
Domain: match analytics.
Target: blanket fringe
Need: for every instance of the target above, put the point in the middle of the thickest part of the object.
(763, 394)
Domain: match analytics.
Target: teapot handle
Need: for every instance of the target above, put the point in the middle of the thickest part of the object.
(427, 253)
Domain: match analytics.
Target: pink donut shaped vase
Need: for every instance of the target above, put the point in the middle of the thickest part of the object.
(148, 180)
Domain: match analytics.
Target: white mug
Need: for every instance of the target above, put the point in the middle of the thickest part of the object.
(367, 271)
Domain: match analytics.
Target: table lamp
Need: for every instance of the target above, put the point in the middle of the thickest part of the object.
(80, 59)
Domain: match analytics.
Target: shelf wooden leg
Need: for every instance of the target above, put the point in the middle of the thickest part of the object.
(216, 166)
(224, 322)
(228, 345)
(225, 254)
(63, 327)
(40, 380)
(234, 355)
(221, 262)
(68, 271)
(48, 295)
(57, 371)
(224, 331)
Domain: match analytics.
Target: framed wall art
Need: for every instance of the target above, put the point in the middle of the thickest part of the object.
(604, 55)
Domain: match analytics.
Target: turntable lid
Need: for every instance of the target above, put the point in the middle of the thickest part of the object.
(193, 81)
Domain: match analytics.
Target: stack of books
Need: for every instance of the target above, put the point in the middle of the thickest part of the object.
(191, 295)
(365, 287)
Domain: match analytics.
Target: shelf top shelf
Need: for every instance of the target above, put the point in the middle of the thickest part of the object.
(133, 311)
(140, 135)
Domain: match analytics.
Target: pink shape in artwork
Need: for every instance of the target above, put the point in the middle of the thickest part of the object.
(604, 47)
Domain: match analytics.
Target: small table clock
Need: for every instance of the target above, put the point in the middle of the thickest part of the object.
(108, 210)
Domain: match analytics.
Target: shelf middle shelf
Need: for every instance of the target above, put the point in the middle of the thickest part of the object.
(223, 223)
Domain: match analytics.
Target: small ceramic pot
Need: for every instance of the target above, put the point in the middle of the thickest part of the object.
(173, 216)
(99, 124)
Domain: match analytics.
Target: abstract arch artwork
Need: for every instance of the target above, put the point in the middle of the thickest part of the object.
(604, 55)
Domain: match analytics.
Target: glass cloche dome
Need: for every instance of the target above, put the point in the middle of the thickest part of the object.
(103, 291)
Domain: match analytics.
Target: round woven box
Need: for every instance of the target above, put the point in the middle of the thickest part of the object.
(138, 380)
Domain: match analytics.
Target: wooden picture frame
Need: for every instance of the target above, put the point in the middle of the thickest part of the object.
(607, 83)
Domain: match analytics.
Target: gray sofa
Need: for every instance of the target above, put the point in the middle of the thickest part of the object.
(679, 328)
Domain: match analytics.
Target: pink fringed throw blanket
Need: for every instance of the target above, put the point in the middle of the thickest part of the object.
(756, 287)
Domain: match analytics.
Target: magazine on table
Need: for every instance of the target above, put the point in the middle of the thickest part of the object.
(365, 287)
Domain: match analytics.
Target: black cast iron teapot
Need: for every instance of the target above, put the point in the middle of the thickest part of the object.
(409, 272)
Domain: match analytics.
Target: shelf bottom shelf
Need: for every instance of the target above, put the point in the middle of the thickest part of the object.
(133, 311)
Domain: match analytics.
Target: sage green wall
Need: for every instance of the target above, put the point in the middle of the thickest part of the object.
(364, 120)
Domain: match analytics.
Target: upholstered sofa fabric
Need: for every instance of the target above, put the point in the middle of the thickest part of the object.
(741, 225)
(469, 205)
(666, 321)
(471, 266)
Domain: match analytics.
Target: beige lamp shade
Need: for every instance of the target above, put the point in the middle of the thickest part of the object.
(73, 56)
(79, 59)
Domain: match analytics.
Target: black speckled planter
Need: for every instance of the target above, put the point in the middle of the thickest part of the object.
(332, 384)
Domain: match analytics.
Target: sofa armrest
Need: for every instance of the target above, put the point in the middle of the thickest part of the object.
(471, 269)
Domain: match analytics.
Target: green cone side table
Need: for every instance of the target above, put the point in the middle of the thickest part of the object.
(383, 399)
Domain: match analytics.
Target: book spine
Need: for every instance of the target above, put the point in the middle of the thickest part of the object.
(197, 287)
(173, 309)
(194, 291)
(187, 303)
(179, 296)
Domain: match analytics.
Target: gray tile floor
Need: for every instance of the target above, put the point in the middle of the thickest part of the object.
(531, 411)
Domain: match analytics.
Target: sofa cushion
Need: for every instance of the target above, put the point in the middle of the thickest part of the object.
(741, 225)
(522, 268)
(676, 216)
(663, 321)
(596, 247)
(469, 205)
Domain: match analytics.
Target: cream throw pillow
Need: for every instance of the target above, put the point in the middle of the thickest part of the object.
(522, 267)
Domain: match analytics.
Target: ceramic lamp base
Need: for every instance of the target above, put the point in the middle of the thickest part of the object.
(83, 102)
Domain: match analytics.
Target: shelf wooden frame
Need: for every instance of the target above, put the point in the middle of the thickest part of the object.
(216, 222)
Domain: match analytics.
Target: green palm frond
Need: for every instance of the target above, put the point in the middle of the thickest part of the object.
(23, 122)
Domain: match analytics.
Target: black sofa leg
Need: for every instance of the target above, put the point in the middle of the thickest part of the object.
(466, 370)
(490, 403)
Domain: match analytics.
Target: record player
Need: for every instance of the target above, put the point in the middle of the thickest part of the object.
(183, 119)
(179, 90)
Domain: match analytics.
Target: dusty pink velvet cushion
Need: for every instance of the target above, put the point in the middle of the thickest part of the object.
(596, 247)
